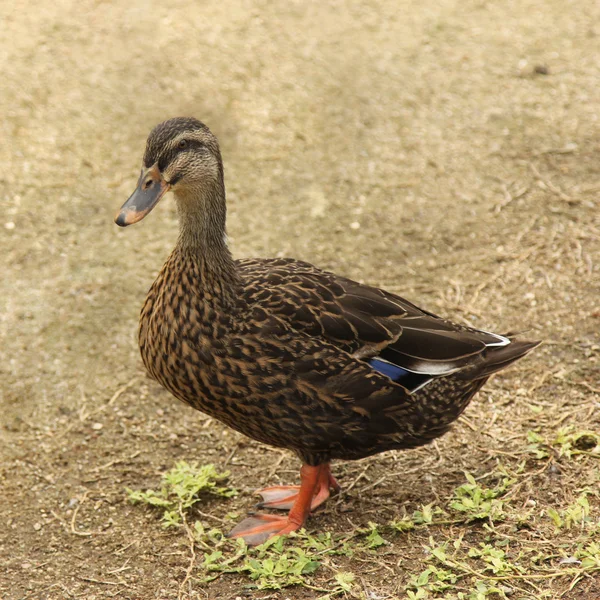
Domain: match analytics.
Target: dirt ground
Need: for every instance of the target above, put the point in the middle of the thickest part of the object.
(447, 150)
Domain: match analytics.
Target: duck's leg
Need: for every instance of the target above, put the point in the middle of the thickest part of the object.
(282, 497)
(259, 528)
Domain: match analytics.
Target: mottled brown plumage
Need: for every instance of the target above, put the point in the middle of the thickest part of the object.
(285, 353)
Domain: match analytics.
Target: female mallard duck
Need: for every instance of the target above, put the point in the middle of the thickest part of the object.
(288, 354)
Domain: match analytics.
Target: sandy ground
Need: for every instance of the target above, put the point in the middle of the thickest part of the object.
(447, 150)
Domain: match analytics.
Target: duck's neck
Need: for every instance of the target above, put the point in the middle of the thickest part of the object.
(202, 238)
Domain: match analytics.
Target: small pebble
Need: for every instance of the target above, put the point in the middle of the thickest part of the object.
(97, 426)
(554, 470)
(9, 225)
(37, 526)
(355, 225)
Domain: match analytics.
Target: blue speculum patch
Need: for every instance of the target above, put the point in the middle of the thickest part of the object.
(394, 372)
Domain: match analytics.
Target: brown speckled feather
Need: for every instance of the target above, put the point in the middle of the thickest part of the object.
(281, 359)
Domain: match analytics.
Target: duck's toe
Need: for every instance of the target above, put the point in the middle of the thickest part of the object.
(280, 497)
(258, 528)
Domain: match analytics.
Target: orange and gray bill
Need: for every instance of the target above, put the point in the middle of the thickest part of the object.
(150, 189)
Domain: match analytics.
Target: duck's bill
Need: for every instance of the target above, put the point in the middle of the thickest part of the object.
(150, 189)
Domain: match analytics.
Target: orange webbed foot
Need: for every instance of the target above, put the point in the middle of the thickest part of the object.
(314, 489)
(282, 497)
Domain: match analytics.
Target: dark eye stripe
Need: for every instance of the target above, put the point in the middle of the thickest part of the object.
(164, 160)
(170, 155)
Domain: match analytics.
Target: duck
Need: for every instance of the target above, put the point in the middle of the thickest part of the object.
(286, 353)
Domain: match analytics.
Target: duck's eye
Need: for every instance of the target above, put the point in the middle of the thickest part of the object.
(182, 144)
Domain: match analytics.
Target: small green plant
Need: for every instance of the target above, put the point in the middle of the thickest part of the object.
(568, 442)
(280, 567)
(590, 557)
(402, 525)
(420, 518)
(577, 514)
(181, 488)
(426, 515)
(432, 579)
(280, 562)
(324, 544)
(572, 442)
(345, 581)
(495, 558)
(373, 539)
(482, 591)
(537, 445)
(476, 503)
(436, 578)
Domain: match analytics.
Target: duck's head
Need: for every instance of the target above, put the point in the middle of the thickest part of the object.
(183, 156)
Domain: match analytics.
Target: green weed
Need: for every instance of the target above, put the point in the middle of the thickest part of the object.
(568, 442)
(280, 562)
(495, 559)
(482, 569)
(571, 442)
(373, 537)
(475, 502)
(537, 445)
(426, 515)
(590, 557)
(577, 514)
(181, 488)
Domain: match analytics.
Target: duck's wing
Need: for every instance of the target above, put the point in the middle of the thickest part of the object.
(407, 344)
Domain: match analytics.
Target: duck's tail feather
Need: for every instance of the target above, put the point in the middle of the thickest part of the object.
(496, 359)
